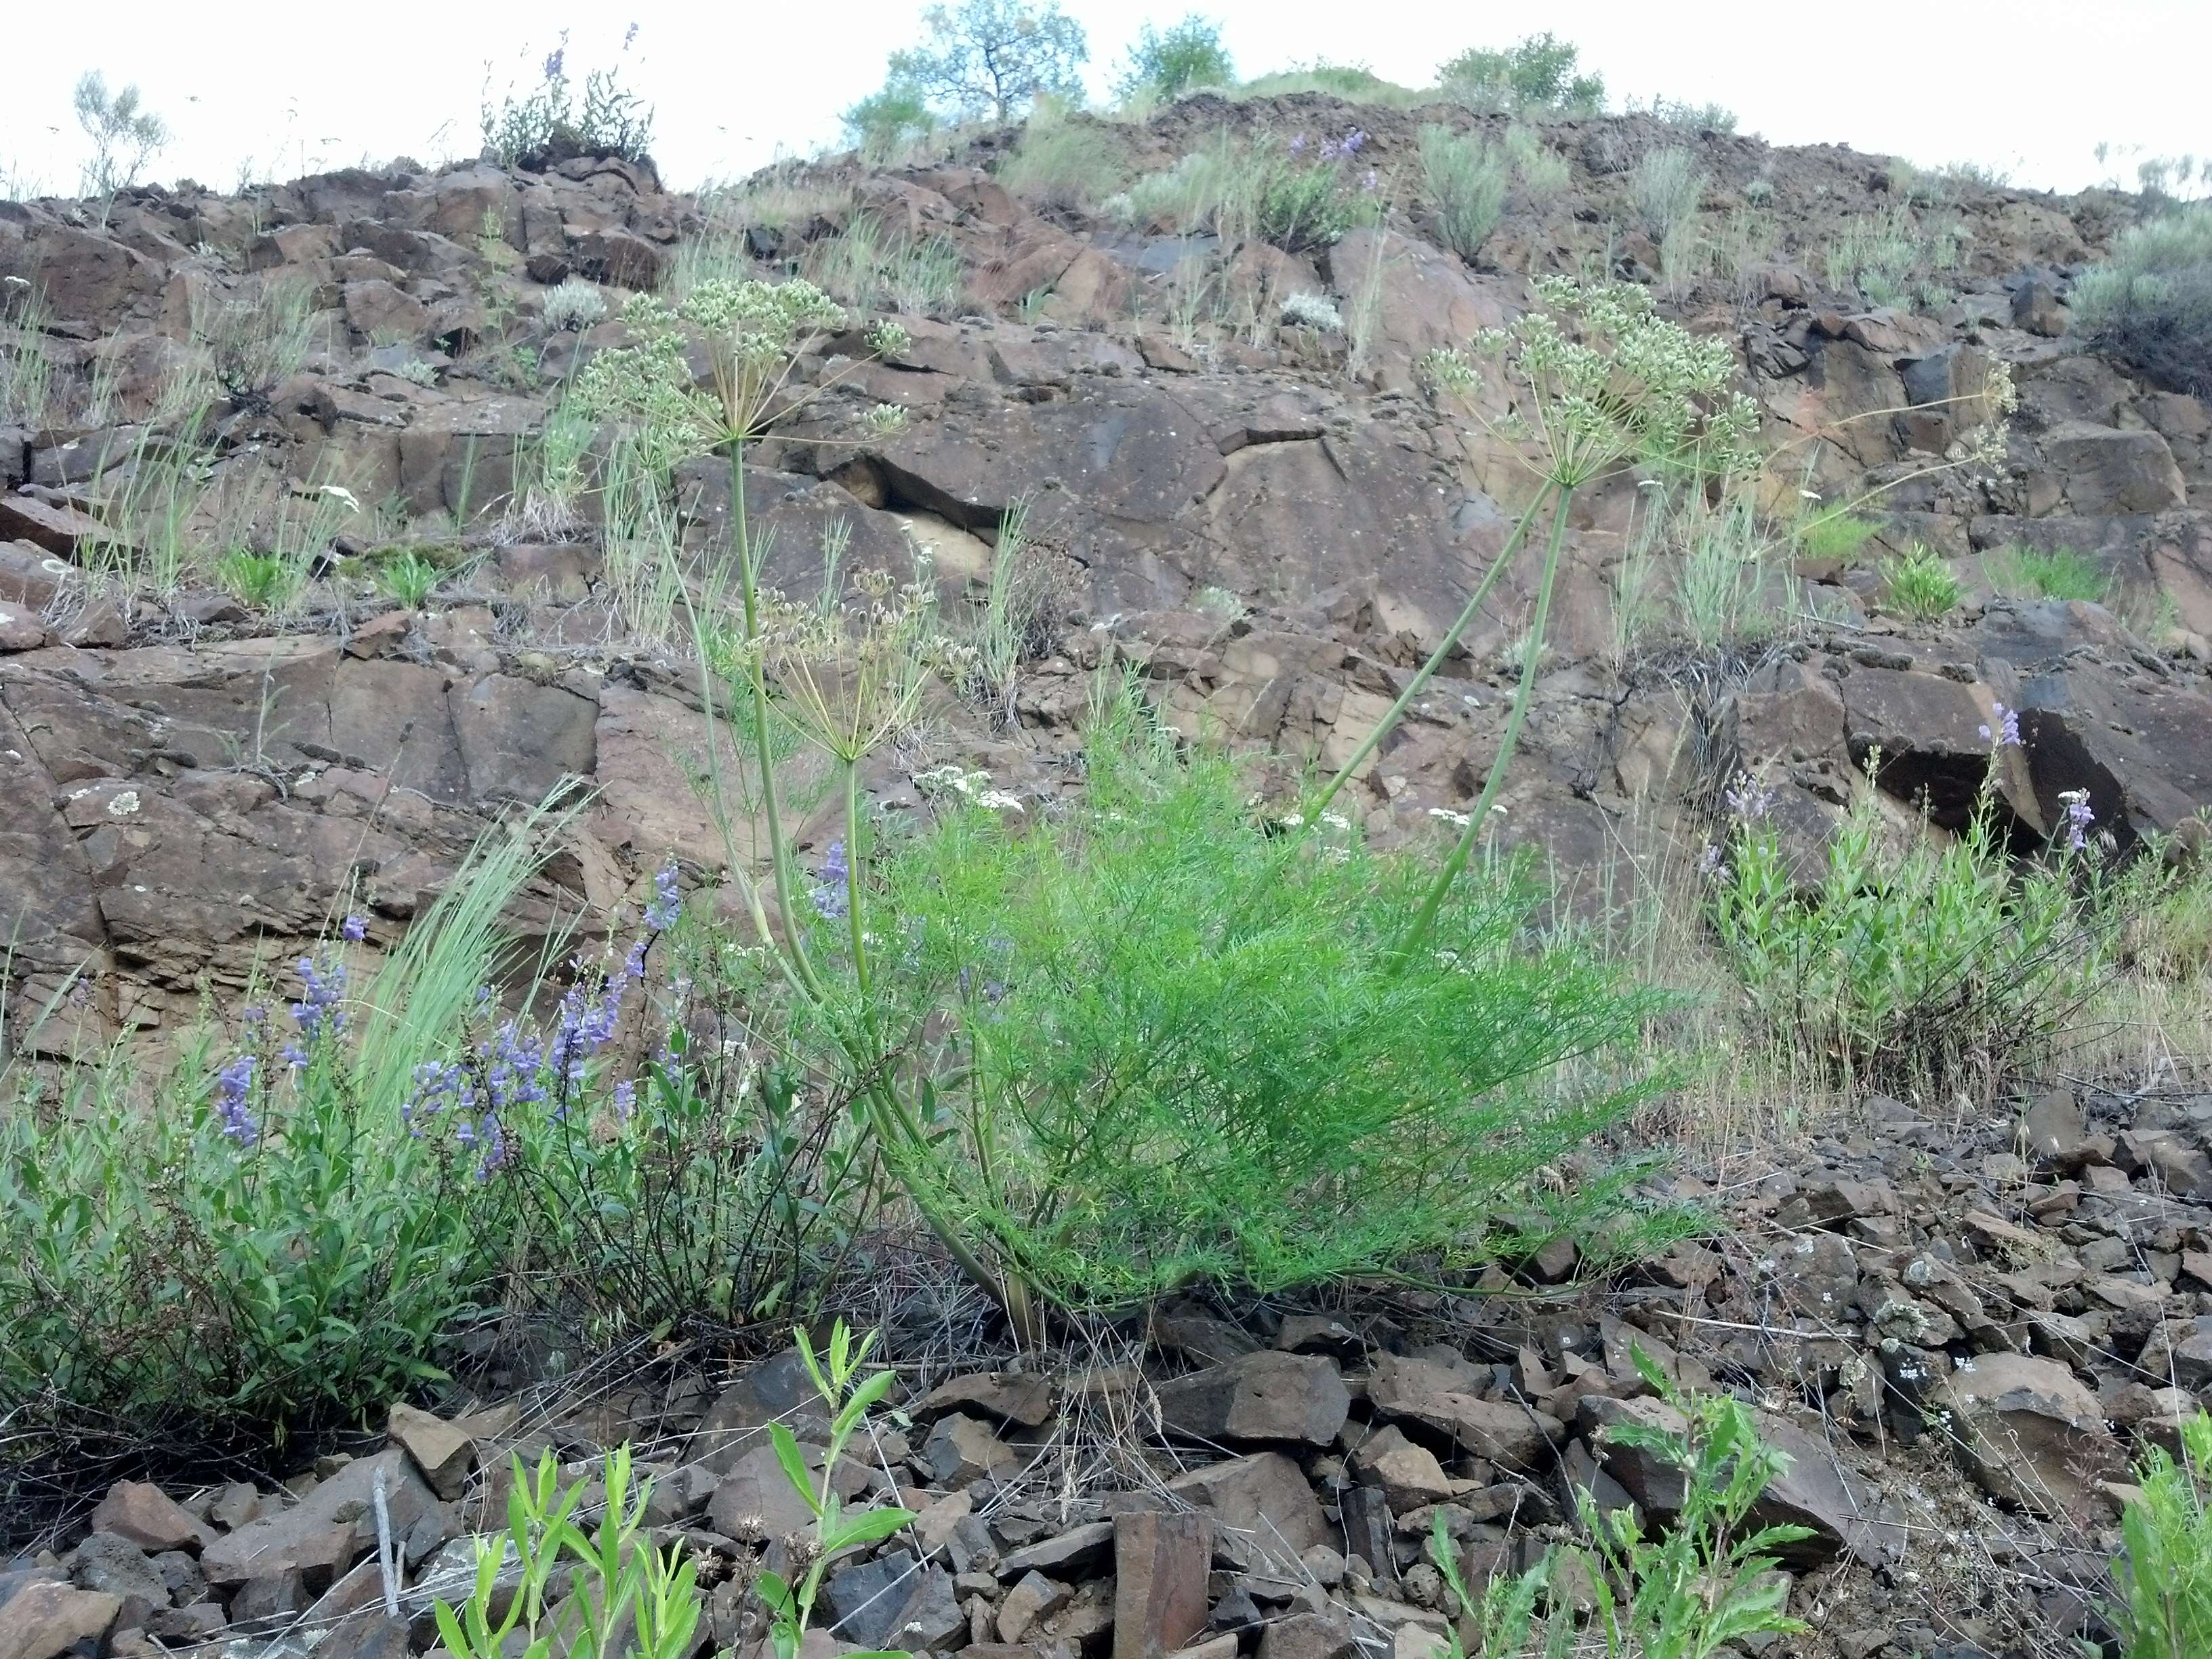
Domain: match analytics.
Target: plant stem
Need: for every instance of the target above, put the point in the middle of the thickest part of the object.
(763, 747)
(1385, 725)
(856, 866)
(1424, 922)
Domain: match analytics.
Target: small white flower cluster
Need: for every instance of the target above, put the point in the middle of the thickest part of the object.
(1313, 311)
(968, 786)
(575, 305)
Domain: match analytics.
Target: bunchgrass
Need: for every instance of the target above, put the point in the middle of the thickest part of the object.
(1465, 183)
(1920, 585)
(2035, 573)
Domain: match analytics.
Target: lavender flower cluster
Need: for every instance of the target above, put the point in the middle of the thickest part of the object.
(1334, 149)
(832, 894)
(2005, 733)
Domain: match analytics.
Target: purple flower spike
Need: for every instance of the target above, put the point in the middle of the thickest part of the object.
(554, 61)
(2006, 732)
(1747, 800)
(354, 929)
(319, 1012)
(833, 894)
(233, 1084)
(2079, 817)
(667, 899)
(1298, 145)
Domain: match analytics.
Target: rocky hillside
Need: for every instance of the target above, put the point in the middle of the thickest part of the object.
(1236, 479)
(1275, 520)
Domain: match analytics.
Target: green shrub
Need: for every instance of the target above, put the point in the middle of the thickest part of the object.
(1165, 1079)
(1894, 258)
(1183, 59)
(2059, 573)
(125, 136)
(1534, 75)
(993, 58)
(1465, 182)
(257, 338)
(546, 125)
(1921, 585)
(1355, 83)
(2164, 1574)
(2150, 302)
(260, 1243)
(1702, 117)
(1931, 967)
(1059, 164)
(1701, 1586)
(887, 122)
(296, 1235)
(1543, 172)
(1664, 191)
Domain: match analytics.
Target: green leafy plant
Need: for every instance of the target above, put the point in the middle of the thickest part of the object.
(1928, 967)
(2058, 572)
(1834, 533)
(1921, 585)
(791, 1606)
(1534, 75)
(125, 136)
(2150, 301)
(993, 58)
(547, 124)
(410, 578)
(625, 1594)
(1703, 1584)
(2164, 1574)
(1191, 1047)
(1165, 64)
(890, 121)
(255, 338)
(1466, 184)
(1664, 192)
(1895, 257)
(1542, 171)
(263, 581)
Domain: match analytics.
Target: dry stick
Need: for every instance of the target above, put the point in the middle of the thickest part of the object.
(1425, 921)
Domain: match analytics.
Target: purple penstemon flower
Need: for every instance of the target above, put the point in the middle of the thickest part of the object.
(1351, 143)
(667, 904)
(555, 60)
(625, 1099)
(2004, 731)
(1298, 144)
(354, 929)
(2079, 817)
(234, 1084)
(320, 1012)
(833, 892)
(1747, 800)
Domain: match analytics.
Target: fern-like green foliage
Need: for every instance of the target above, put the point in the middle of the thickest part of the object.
(1186, 1050)
(2164, 1574)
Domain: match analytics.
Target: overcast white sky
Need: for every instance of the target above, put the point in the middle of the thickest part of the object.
(2032, 85)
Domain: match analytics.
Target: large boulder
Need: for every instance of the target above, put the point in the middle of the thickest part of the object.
(1264, 1396)
(2029, 1430)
